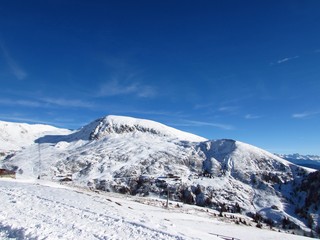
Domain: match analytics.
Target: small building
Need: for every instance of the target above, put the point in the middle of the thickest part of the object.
(65, 179)
(4, 173)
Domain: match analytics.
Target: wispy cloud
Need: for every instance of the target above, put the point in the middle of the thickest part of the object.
(202, 124)
(62, 102)
(203, 106)
(283, 60)
(125, 78)
(24, 103)
(304, 115)
(153, 112)
(116, 88)
(46, 102)
(228, 109)
(16, 70)
(251, 116)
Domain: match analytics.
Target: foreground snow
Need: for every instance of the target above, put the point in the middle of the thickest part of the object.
(45, 210)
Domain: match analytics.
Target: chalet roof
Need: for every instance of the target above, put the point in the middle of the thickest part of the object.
(6, 172)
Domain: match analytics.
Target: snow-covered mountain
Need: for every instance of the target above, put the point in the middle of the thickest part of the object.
(110, 125)
(311, 161)
(137, 156)
(15, 136)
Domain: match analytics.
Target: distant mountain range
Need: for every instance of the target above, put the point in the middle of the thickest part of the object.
(137, 156)
(310, 161)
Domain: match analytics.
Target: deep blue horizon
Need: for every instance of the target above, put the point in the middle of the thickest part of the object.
(244, 70)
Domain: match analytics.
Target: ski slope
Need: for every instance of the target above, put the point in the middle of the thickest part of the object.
(46, 210)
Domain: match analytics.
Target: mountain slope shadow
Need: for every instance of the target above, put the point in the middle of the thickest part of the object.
(84, 133)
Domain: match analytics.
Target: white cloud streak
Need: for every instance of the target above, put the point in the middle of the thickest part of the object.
(67, 102)
(251, 116)
(210, 124)
(115, 88)
(150, 112)
(16, 70)
(283, 60)
(204, 106)
(47, 102)
(24, 103)
(304, 115)
(229, 109)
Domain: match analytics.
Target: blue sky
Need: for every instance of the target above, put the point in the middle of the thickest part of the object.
(246, 70)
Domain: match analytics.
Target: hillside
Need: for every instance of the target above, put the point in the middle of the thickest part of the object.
(142, 157)
(15, 136)
(45, 210)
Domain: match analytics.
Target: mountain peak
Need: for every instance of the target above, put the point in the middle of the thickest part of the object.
(123, 125)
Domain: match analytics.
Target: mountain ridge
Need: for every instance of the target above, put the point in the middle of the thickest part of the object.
(130, 155)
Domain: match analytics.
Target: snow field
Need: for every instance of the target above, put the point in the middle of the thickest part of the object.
(43, 210)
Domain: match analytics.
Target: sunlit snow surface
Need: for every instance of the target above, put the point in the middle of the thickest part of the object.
(15, 136)
(45, 210)
(114, 151)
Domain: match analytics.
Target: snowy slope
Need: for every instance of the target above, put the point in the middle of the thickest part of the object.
(43, 210)
(132, 156)
(15, 136)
